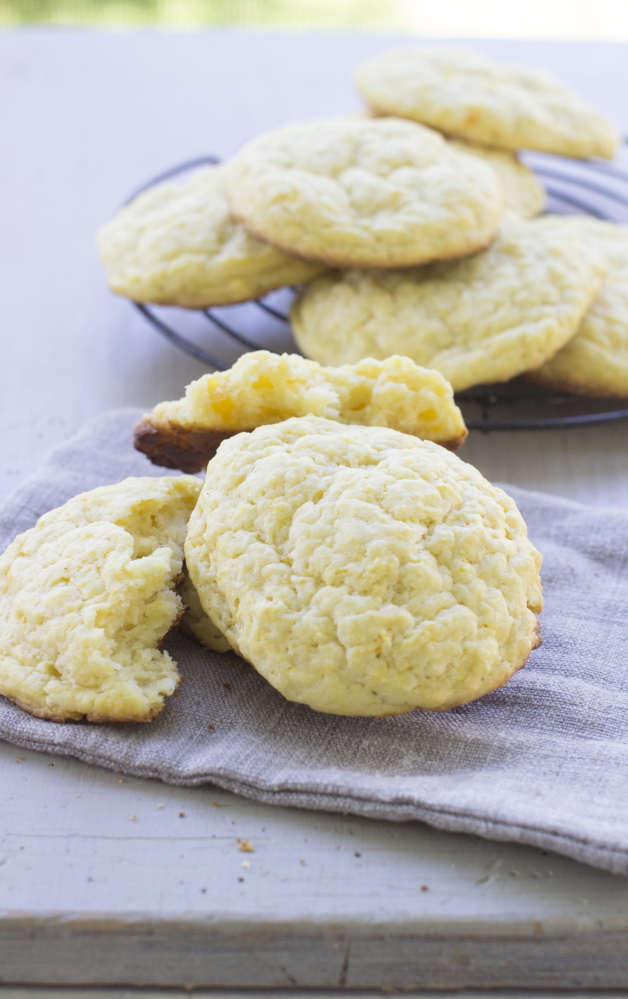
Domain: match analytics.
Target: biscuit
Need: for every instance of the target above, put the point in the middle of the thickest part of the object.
(180, 245)
(363, 192)
(86, 597)
(595, 361)
(462, 93)
(195, 623)
(266, 388)
(522, 194)
(483, 319)
(363, 571)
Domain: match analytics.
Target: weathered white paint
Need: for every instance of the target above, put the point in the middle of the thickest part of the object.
(33, 992)
(102, 881)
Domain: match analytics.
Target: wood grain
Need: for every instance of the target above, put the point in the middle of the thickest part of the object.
(107, 881)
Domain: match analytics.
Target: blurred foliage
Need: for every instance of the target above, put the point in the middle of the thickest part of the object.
(198, 13)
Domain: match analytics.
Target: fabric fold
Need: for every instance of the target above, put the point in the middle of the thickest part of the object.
(544, 761)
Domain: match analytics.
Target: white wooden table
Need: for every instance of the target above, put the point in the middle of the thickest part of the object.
(117, 882)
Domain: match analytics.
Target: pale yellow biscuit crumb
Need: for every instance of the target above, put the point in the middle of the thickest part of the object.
(363, 192)
(486, 318)
(363, 571)
(178, 244)
(87, 595)
(464, 94)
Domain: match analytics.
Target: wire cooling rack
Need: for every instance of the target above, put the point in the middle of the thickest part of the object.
(585, 187)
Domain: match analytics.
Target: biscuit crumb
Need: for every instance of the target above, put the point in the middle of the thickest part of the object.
(245, 846)
(246, 864)
(19, 759)
(160, 805)
(211, 728)
(132, 818)
(425, 887)
(181, 815)
(357, 854)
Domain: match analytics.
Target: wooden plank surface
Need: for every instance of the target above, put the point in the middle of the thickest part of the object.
(105, 881)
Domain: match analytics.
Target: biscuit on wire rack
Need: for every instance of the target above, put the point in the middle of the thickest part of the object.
(523, 196)
(262, 388)
(595, 361)
(486, 318)
(86, 598)
(179, 244)
(363, 571)
(363, 192)
(464, 94)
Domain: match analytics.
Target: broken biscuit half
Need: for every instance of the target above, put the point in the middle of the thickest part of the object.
(263, 388)
(86, 598)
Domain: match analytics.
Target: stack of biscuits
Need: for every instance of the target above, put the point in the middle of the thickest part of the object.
(410, 228)
(337, 545)
(360, 570)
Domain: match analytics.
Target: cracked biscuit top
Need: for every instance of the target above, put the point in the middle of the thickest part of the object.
(179, 244)
(460, 92)
(487, 318)
(363, 192)
(363, 571)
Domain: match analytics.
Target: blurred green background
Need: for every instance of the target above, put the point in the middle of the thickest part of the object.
(200, 13)
(576, 19)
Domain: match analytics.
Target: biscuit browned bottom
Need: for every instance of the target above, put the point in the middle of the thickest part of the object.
(189, 448)
(186, 448)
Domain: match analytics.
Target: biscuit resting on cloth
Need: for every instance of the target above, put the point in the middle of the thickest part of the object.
(462, 93)
(87, 595)
(362, 571)
(360, 192)
(265, 388)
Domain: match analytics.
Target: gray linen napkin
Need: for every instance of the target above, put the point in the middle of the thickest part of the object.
(543, 761)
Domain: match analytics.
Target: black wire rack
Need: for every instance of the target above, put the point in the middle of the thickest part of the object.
(585, 187)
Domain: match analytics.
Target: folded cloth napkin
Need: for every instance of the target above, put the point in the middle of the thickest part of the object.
(543, 761)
